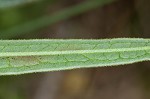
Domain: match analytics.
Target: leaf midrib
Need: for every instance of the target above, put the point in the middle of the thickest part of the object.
(43, 53)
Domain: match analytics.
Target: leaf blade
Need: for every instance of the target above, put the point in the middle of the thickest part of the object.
(28, 56)
(12, 3)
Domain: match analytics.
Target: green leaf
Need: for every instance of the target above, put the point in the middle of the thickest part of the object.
(28, 56)
(11, 3)
(47, 20)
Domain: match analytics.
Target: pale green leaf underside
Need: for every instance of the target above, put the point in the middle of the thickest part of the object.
(27, 56)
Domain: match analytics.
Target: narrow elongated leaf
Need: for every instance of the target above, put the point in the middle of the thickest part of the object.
(47, 20)
(11, 3)
(27, 56)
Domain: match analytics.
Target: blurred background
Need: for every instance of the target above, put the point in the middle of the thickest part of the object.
(77, 19)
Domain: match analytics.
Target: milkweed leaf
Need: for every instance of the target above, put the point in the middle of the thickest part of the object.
(28, 56)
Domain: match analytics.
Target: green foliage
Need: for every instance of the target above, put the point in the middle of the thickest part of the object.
(28, 56)
(32, 25)
(11, 3)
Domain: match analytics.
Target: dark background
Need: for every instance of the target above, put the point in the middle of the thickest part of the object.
(72, 19)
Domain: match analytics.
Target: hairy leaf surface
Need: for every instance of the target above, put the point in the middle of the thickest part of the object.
(27, 56)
